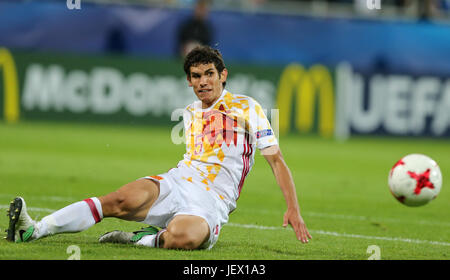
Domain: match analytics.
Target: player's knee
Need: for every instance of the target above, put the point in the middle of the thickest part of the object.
(186, 244)
(114, 204)
(180, 238)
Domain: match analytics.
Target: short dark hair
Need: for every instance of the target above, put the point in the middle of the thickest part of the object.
(204, 55)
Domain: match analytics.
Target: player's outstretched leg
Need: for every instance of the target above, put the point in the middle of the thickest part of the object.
(21, 226)
(76, 217)
(130, 202)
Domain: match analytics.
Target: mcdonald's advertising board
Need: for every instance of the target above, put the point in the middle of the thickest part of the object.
(332, 102)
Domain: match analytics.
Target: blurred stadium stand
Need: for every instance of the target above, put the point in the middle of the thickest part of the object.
(148, 27)
(392, 9)
(391, 62)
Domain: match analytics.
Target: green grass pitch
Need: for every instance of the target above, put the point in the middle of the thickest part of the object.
(342, 189)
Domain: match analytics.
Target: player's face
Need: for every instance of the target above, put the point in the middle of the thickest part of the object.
(206, 82)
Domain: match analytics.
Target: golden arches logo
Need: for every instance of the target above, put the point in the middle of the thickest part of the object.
(306, 84)
(11, 109)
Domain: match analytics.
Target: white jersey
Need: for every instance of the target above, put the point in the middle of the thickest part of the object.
(221, 142)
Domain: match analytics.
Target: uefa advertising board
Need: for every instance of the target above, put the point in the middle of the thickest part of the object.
(331, 101)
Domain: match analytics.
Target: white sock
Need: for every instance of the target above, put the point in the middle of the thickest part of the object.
(148, 240)
(76, 217)
(151, 240)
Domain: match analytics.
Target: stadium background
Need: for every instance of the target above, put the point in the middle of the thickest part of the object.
(333, 69)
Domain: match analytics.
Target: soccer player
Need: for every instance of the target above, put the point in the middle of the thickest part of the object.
(188, 205)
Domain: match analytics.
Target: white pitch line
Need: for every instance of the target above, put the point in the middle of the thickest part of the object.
(45, 198)
(373, 219)
(386, 238)
(350, 217)
(322, 232)
(359, 236)
(36, 209)
(265, 211)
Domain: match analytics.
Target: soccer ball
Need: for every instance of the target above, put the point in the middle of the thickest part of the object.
(415, 180)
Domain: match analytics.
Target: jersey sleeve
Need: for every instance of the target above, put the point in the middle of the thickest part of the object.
(260, 127)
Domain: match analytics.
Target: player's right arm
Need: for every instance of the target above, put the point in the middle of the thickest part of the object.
(284, 179)
(267, 143)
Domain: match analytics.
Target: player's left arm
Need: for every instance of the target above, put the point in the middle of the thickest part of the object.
(284, 179)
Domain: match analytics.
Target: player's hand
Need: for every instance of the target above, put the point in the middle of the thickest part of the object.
(293, 218)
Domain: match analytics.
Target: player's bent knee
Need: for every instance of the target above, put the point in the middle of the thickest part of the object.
(186, 234)
(183, 240)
